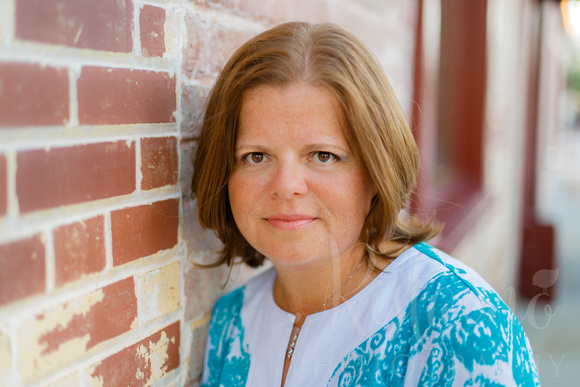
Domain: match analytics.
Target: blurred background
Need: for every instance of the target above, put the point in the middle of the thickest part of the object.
(552, 326)
(99, 106)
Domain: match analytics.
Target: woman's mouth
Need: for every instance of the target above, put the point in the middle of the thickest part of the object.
(289, 222)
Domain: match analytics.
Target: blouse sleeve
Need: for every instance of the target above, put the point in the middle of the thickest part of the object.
(226, 360)
(486, 346)
(451, 334)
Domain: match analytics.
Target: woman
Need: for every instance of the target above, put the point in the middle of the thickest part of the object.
(305, 159)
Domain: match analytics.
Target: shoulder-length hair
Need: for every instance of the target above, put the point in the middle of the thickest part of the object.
(320, 55)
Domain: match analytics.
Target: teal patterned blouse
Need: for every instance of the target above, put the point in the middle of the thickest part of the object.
(427, 320)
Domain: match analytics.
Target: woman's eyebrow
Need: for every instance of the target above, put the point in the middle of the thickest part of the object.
(250, 146)
(325, 145)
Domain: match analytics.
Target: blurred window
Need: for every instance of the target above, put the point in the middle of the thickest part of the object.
(448, 117)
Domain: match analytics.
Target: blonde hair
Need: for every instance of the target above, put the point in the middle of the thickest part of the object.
(320, 55)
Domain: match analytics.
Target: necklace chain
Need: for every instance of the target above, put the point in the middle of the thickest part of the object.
(339, 289)
(296, 329)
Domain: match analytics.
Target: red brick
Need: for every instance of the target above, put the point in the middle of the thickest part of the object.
(32, 95)
(3, 186)
(144, 230)
(62, 176)
(22, 269)
(79, 249)
(105, 25)
(159, 162)
(152, 26)
(144, 362)
(109, 96)
(113, 314)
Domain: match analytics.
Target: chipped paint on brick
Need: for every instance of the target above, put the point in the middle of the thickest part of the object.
(44, 345)
(159, 292)
(88, 378)
(156, 358)
(67, 331)
(142, 363)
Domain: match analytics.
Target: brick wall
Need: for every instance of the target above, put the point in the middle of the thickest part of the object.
(98, 233)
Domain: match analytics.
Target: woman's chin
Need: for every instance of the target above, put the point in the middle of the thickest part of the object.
(294, 256)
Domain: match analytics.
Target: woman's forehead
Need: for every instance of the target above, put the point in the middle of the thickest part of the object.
(266, 110)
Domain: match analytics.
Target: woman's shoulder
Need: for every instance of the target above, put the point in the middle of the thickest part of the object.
(468, 318)
(448, 278)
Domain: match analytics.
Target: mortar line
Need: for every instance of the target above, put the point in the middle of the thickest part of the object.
(50, 55)
(83, 135)
(138, 165)
(136, 29)
(50, 260)
(74, 73)
(12, 210)
(108, 242)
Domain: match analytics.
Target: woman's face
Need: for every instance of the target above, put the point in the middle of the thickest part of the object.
(298, 193)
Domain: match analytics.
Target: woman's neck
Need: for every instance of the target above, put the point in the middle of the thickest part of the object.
(307, 289)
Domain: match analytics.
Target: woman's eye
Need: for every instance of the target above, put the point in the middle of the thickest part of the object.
(324, 157)
(254, 158)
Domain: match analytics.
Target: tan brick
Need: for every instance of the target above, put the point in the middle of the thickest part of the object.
(65, 332)
(142, 363)
(159, 293)
(5, 359)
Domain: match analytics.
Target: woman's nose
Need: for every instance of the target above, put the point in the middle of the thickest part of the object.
(288, 180)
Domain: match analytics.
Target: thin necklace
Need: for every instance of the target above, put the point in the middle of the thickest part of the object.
(296, 329)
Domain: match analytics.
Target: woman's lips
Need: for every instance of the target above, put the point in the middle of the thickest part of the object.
(289, 222)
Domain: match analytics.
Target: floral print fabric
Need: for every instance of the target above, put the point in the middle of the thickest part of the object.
(226, 353)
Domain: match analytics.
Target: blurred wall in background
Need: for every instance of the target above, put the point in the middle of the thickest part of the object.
(488, 80)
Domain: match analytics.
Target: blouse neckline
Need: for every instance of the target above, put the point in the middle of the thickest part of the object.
(360, 295)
